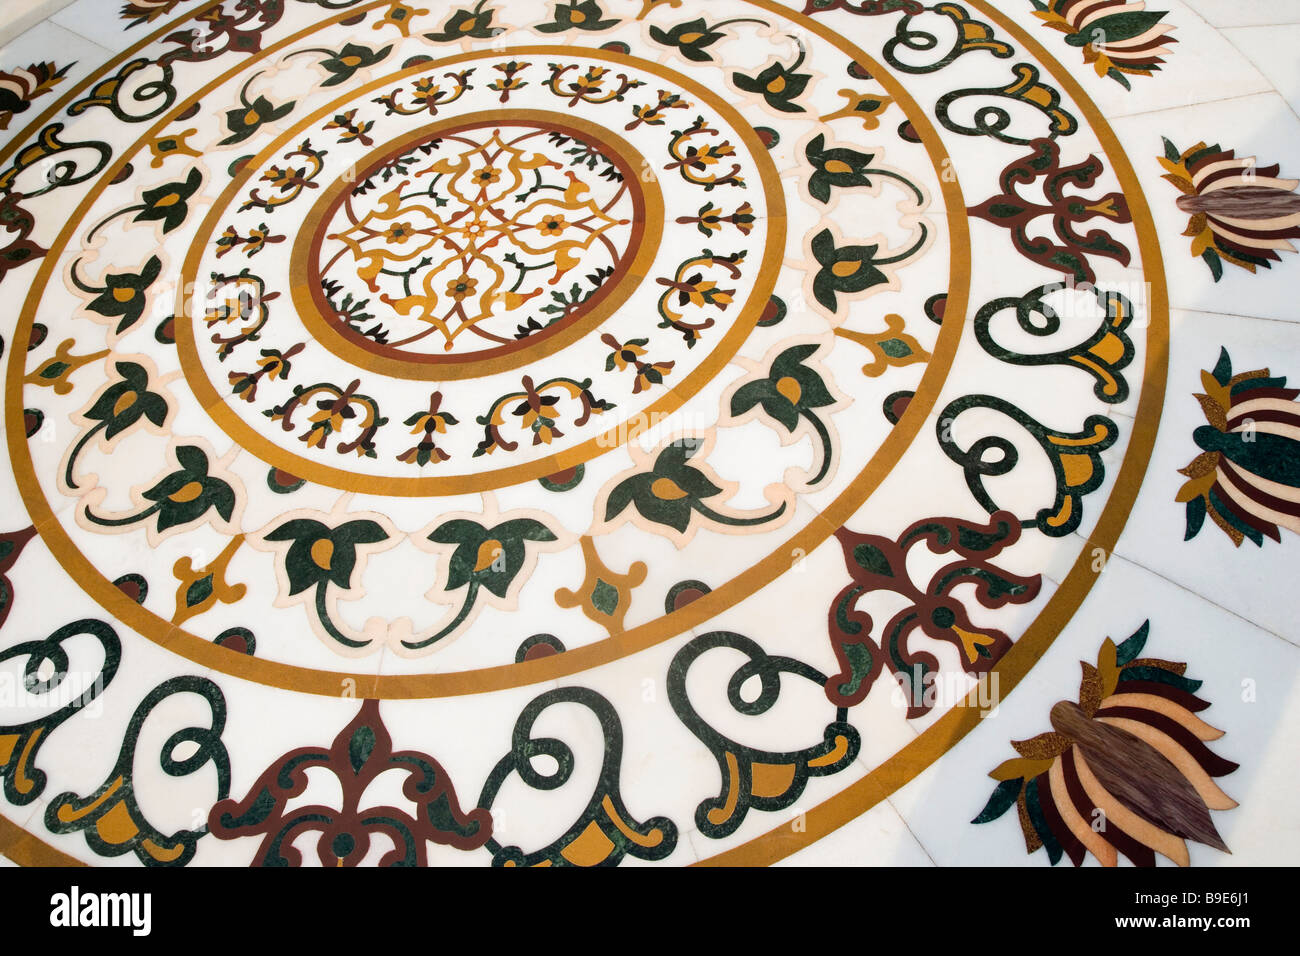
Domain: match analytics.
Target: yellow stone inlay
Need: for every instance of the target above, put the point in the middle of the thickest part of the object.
(67, 813)
(835, 754)
(186, 574)
(875, 342)
(1078, 469)
(322, 552)
(1098, 433)
(971, 641)
(488, 552)
(116, 826)
(126, 400)
(771, 780)
(653, 838)
(163, 854)
(22, 782)
(1062, 516)
(187, 492)
(1109, 349)
(590, 847)
(665, 489)
(598, 570)
(1038, 94)
(720, 815)
(788, 387)
(62, 356)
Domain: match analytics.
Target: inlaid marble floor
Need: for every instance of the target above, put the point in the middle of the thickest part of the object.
(576, 432)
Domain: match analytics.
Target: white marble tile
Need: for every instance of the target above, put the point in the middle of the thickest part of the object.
(1245, 13)
(21, 15)
(878, 837)
(1272, 50)
(1240, 579)
(102, 23)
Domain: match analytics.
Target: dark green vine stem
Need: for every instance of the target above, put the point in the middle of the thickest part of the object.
(925, 233)
(122, 522)
(890, 174)
(76, 450)
(323, 614)
(724, 23)
(712, 515)
(820, 427)
(457, 621)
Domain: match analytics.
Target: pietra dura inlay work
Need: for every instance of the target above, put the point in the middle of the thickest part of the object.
(585, 432)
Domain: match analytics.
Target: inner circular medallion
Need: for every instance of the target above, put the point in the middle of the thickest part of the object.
(508, 277)
(470, 242)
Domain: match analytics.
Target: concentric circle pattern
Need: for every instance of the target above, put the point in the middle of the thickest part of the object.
(688, 392)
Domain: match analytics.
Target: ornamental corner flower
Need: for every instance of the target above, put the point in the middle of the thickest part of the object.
(1238, 212)
(1132, 752)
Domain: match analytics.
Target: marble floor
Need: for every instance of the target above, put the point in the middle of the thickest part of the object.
(598, 432)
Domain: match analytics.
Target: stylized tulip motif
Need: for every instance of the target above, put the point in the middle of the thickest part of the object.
(672, 491)
(790, 391)
(320, 556)
(119, 407)
(183, 496)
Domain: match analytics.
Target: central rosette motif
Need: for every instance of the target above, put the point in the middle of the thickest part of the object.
(441, 281)
(476, 240)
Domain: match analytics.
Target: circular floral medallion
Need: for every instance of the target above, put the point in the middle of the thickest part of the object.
(486, 360)
(457, 252)
(457, 265)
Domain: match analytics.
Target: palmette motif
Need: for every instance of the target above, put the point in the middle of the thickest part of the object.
(426, 354)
